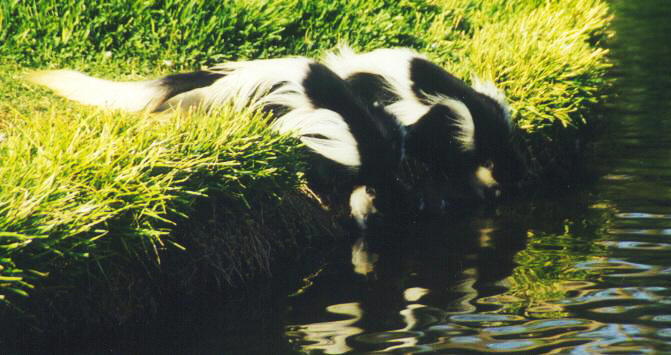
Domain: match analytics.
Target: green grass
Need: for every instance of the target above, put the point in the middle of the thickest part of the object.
(73, 178)
(80, 185)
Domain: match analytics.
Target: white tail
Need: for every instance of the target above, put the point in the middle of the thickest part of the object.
(77, 86)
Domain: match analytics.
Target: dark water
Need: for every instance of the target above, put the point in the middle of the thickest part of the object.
(585, 272)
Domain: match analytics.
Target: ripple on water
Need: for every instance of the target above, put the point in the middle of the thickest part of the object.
(642, 215)
(617, 294)
(329, 337)
(635, 245)
(641, 223)
(537, 326)
(387, 337)
(534, 335)
(631, 259)
(641, 231)
(512, 345)
(484, 318)
(602, 265)
(662, 318)
(664, 333)
(616, 309)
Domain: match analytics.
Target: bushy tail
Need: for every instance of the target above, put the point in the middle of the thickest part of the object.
(255, 84)
(77, 86)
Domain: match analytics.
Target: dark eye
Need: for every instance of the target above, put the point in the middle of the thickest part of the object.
(370, 191)
(489, 164)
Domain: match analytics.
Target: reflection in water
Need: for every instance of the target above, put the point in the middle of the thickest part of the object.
(463, 304)
(413, 294)
(330, 337)
(406, 285)
(362, 260)
(589, 272)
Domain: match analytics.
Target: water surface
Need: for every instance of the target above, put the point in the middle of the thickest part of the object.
(588, 271)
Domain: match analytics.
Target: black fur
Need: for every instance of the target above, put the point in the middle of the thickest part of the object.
(378, 134)
(432, 138)
(493, 136)
(372, 88)
(183, 82)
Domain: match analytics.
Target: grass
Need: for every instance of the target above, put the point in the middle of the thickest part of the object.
(79, 186)
(70, 176)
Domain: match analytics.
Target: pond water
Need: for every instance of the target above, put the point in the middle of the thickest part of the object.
(587, 271)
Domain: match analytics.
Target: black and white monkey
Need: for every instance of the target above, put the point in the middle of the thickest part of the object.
(357, 147)
(463, 134)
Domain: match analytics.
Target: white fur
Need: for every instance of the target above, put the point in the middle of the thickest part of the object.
(488, 88)
(484, 177)
(361, 205)
(76, 86)
(393, 65)
(250, 83)
(464, 122)
(484, 180)
(408, 111)
(335, 142)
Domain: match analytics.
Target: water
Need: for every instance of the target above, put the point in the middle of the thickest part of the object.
(585, 272)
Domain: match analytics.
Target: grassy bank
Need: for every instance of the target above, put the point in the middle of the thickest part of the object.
(83, 190)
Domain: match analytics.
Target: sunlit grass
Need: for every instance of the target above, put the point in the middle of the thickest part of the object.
(545, 62)
(543, 54)
(74, 177)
